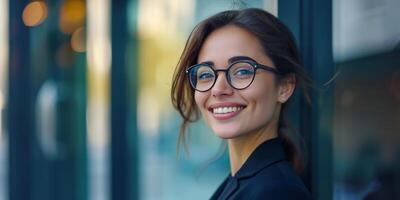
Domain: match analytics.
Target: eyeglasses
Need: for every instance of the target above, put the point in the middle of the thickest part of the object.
(239, 74)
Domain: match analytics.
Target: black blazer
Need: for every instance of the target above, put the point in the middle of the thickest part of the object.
(266, 174)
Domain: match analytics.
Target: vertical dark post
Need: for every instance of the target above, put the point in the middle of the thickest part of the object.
(322, 65)
(20, 108)
(311, 23)
(123, 126)
(71, 166)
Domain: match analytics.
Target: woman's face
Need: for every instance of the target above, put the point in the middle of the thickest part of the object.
(248, 110)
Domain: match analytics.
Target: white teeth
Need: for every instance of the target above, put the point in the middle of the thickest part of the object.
(223, 110)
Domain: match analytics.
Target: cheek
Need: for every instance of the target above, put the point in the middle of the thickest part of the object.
(263, 87)
(200, 99)
(263, 96)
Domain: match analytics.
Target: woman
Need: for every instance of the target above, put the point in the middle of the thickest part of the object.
(239, 68)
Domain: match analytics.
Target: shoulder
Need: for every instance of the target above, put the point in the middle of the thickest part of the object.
(278, 181)
(282, 190)
(279, 173)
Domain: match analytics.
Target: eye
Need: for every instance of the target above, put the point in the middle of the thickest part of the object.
(243, 72)
(205, 75)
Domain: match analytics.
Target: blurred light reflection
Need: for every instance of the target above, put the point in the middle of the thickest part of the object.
(3, 66)
(72, 15)
(98, 81)
(78, 40)
(352, 19)
(1, 118)
(161, 27)
(3, 95)
(271, 6)
(166, 17)
(46, 115)
(34, 13)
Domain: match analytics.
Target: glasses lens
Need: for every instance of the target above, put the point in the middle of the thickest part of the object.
(241, 74)
(201, 77)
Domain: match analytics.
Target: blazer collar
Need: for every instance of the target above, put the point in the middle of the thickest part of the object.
(267, 153)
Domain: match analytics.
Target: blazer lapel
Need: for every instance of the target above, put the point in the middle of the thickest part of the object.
(218, 192)
(231, 187)
(264, 155)
(226, 189)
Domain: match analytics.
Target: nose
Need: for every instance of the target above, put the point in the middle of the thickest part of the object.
(221, 87)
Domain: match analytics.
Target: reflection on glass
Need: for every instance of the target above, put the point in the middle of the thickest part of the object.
(366, 121)
(98, 59)
(353, 18)
(366, 139)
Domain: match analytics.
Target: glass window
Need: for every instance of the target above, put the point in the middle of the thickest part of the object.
(367, 104)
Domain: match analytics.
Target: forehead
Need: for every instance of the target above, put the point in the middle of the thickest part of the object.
(230, 41)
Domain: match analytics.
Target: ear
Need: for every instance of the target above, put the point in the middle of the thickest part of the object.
(286, 88)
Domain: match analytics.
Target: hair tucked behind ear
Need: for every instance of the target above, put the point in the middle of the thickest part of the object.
(278, 44)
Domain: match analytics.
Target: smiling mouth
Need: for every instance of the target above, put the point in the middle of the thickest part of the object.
(223, 113)
(225, 110)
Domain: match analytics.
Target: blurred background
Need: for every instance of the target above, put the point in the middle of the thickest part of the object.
(86, 111)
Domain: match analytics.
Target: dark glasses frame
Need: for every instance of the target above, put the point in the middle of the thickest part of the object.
(254, 64)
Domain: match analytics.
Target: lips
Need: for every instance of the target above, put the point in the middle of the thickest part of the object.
(224, 111)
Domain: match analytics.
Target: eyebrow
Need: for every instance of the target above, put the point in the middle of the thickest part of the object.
(230, 60)
(236, 58)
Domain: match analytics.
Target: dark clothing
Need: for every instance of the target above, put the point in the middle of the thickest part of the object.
(266, 174)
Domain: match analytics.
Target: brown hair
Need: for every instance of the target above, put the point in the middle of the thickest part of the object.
(278, 44)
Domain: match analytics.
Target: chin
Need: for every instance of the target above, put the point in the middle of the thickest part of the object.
(226, 134)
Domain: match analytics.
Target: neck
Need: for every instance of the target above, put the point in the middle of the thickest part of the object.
(240, 148)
